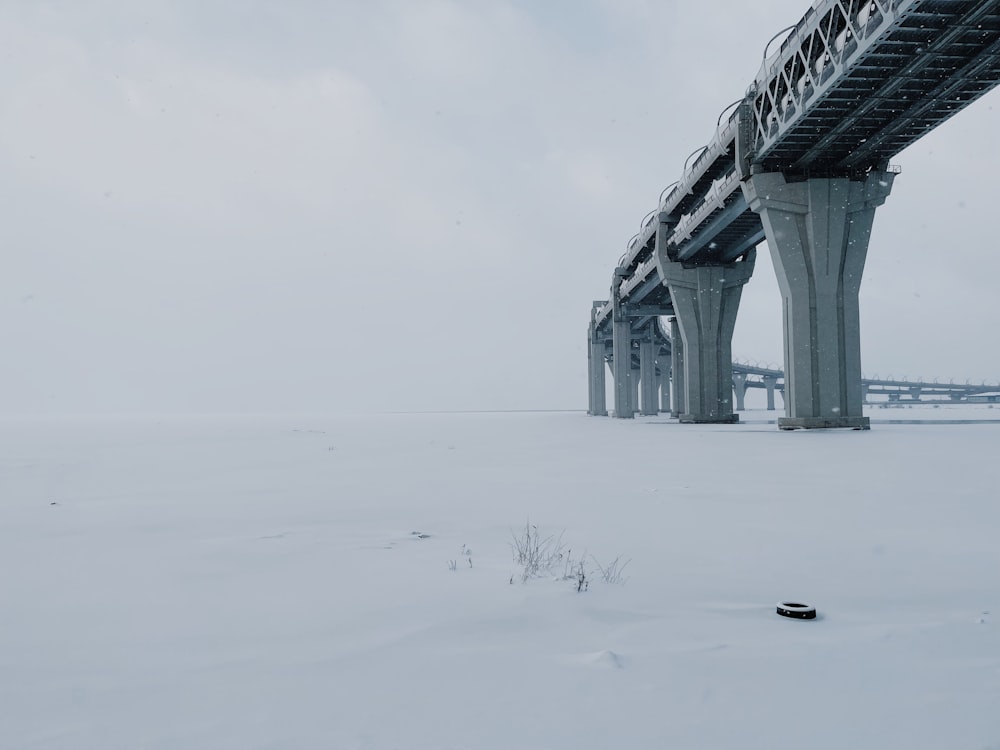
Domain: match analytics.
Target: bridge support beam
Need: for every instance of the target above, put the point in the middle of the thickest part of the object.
(622, 371)
(740, 390)
(818, 232)
(648, 385)
(622, 352)
(596, 402)
(676, 369)
(706, 299)
(664, 364)
(634, 393)
(769, 383)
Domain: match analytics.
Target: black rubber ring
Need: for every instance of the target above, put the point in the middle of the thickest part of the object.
(796, 610)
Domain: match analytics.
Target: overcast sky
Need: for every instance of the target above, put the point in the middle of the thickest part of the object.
(403, 204)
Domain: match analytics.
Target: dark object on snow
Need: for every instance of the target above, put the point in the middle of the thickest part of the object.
(796, 611)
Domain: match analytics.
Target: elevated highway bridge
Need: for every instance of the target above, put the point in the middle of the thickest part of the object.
(801, 161)
(875, 390)
(651, 362)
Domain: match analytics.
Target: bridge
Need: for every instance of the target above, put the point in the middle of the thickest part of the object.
(651, 361)
(802, 161)
(875, 390)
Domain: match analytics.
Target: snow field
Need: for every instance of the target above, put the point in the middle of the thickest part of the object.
(221, 582)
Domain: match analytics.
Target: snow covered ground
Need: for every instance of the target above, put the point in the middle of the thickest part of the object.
(257, 583)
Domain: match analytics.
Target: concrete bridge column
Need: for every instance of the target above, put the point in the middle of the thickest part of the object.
(818, 232)
(596, 405)
(769, 382)
(636, 382)
(649, 383)
(706, 299)
(622, 353)
(664, 365)
(677, 404)
(740, 389)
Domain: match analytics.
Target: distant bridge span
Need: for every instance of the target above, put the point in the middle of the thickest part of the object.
(801, 161)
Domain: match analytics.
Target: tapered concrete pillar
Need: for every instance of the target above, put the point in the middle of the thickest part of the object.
(596, 402)
(677, 405)
(622, 353)
(818, 232)
(649, 384)
(740, 390)
(664, 364)
(706, 299)
(769, 382)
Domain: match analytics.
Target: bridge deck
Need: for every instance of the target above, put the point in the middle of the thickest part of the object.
(853, 83)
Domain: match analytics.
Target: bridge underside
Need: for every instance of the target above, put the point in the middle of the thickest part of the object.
(929, 64)
(802, 161)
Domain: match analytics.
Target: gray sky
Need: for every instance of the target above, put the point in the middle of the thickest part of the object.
(402, 204)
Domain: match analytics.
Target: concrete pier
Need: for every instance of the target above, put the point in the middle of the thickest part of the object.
(740, 390)
(769, 383)
(706, 299)
(664, 365)
(596, 405)
(633, 394)
(648, 382)
(622, 354)
(676, 369)
(596, 366)
(818, 231)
